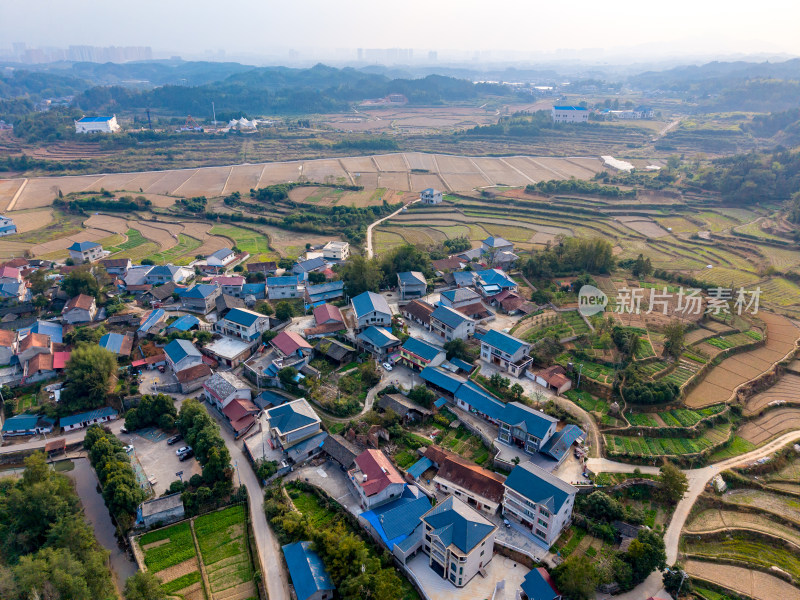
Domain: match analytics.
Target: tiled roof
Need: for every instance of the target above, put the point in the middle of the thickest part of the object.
(312, 264)
(282, 280)
(292, 415)
(40, 362)
(262, 267)
(7, 338)
(368, 302)
(221, 254)
(447, 264)
(539, 486)
(224, 383)
(538, 585)
(419, 310)
(54, 330)
(184, 323)
(331, 287)
(34, 340)
(379, 470)
(456, 523)
(341, 450)
(81, 301)
(480, 400)
(396, 520)
(117, 343)
(561, 441)
(201, 290)
(496, 242)
(327, 312)
(400, 405)
(193, 372)
(289, 342)
(467, 474)
(228, 280)
(162, 292)
(461, 295)
(115, 262)
(153, 317)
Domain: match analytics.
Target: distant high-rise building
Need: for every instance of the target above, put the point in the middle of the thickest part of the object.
(433, 55)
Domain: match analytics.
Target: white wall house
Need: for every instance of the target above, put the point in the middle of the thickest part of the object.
(369, 309)
(505, 351)
(80, 252)
(569, 114)
(458, 540)
(221, 258)
(336, 250)
(375, 479)
(97, 125)
(430, 196)
(539, 501)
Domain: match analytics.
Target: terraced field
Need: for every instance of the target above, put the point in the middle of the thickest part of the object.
(714, 520)
(719, 385)
(768, 502)
(770, 425)
(642, 446)
(180, 254)
(742, 547)
(754, 584)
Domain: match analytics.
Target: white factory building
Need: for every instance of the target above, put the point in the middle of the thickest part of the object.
(97, 125)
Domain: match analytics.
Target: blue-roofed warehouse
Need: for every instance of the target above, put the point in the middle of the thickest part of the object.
(54, 330)
(310, 578)
(525, 427)
(92, 417)
(559, 444)
(441, 380)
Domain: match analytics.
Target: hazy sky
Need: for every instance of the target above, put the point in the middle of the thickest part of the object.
(536, 26)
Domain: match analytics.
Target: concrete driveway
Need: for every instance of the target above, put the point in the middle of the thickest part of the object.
(157, 459)
(329, 477)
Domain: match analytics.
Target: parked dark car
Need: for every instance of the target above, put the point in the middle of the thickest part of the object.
(174, 439)
(186, 455)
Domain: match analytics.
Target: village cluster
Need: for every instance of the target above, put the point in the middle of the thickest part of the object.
(443, 507)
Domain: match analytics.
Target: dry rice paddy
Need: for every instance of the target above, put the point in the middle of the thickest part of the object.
(754, 584)
(770, 425)
(786, 390)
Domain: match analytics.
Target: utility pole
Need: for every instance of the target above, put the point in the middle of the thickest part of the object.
(580, 370)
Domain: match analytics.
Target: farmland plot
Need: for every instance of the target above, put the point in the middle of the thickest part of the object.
(786, 390)
(646, 227)
(242, 179)
(222, 538)
(205, 182)
(770, 425)
(774, 504)
(8, 188)
(170, 182)
(713, 519)
(32, 220)
(170, 554)
(753, 584)
(391, 162)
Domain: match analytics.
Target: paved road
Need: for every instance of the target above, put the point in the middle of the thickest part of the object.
(268, 548)
(378, 222)
(72, 437)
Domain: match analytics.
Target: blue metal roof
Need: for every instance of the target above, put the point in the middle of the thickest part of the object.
(441, 379)
(421, 348)
(154, 317)
(185, 323)
(368, 302)
(309, 265)
(94, 119)
(419, 467)
(496, 277)
(464, 278)
(396, 520)
(300, 451)
(480, 400)
(83, 246)
(461, 364)
(558, 445)
(10, 290)
(267, 397)
(97, 413)
(23, 422)
(536, 587)
(283, 280)
(177, 350)
(54, 330)
(440, 402)
(569, 108)
(539, 486)
(502, 341)
(253, 288)
(112, 342)
(201, 290)
(448, 316)
(455, 523)
(242, 317)
(380, 337)
(532, 421)
(496, 242)
(306, 570)
(322, 288)
(221, 253)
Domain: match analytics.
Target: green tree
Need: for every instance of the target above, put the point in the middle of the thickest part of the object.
(516, 391)
(283, 311)
(360, 275)
(457, 348)
(422, 396)
(675, 580)
(642, 267)
(88, 372)
(646, 554)
(404, 258)
(674, 334)
(143, 585)
(673, 482)
(369, 373)
(38, 282)
(576, 577)
(80, 282)
(287, 375)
